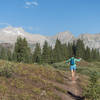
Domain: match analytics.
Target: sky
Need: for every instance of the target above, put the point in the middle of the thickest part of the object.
(48, 17)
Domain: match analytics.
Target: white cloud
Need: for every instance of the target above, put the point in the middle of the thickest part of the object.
(28, 3)
(31, 4)
(35, 3)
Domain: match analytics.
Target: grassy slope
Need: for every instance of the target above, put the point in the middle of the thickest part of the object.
(83, 70)
(83, 67)
(32, 82)
(39, 82)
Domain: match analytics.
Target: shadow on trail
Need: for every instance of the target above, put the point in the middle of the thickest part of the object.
(75, 96)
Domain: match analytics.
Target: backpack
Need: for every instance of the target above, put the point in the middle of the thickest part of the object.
(72, 62)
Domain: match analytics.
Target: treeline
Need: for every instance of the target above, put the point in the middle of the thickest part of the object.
(61, 52)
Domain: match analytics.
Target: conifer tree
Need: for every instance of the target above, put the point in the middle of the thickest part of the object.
(9, 55)
(87, 54)
(22, 52)
(70, 50)
(27, 56)
(51, 55)
(18, 52)
(45, 53)
(37, 54)
(58, 51)
(74, 48)
(98, 55)
(80, 48)
(65, 51)
(3, 54)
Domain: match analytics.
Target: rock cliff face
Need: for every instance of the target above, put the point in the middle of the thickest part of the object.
(64, 37)
(91, 40)
(10, 34)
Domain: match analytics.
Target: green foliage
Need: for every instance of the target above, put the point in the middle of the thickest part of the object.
(18, 83)
(37, 54)
(95, 55)
(92, 92)
(62, 52)
(70, 50)
(87, 54)
(7, 69)
(22, 52)
(61, 66)
(46, 53)
(58, 51)
(9, 55)
(5, 54)
(80, 48)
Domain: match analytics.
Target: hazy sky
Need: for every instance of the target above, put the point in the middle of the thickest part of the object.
(48, 17)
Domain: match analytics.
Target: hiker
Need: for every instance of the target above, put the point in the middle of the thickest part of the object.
(72, 62)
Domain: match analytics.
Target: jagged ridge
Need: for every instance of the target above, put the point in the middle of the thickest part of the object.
(10, 34)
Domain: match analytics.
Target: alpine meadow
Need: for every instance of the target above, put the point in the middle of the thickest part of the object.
(49, 50)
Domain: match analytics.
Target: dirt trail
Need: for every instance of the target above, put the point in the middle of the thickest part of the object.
(73, 90)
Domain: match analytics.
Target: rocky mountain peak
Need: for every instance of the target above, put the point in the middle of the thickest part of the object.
(12, 31)
(64, 37)
(10, 34)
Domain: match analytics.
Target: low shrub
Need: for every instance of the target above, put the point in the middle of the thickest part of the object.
(92, 91)
(7, 69)
(61, 66)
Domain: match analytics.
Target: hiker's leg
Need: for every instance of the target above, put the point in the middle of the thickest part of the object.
(74, 74)
(72, 71)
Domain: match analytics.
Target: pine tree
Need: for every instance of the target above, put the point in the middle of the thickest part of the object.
(27, 56)
(22, 52)
(18, 52)
(9, 55)
(98, 55)
(45, 53)
(70, 50)
(94, 54)
(58, 51)
(37, 54)
(65, 51)
(80, 48)
(50, 57)
(87, 54)
(74, 48)
(3, 54)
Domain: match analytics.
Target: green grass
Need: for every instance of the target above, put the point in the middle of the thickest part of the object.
(86, 70)
(83, 67)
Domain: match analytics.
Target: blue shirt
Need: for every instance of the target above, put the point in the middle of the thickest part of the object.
(75, 60)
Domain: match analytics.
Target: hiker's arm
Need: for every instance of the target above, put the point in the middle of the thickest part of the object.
(77, 59)
(67, 61)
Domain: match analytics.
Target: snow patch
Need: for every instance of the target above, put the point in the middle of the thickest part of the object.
(19, 33)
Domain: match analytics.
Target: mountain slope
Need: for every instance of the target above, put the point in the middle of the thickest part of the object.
(36, 82)
(64, 37)
(91, 40)
(10, 34)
